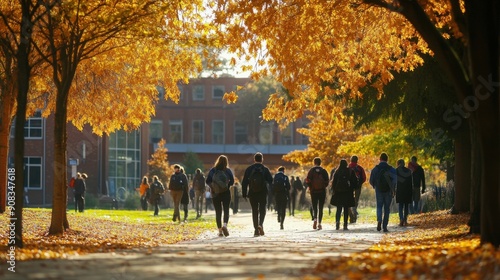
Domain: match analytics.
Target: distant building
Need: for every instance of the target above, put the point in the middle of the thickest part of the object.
(201, 123)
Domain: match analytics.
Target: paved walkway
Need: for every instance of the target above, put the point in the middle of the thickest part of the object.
(280, 254)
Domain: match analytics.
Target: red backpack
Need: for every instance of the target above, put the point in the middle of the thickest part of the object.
(72, 182)
(318, 183)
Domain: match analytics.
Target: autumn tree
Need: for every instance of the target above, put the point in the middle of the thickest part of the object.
(356, 44)
(158, 164)
(106, 59)
(191, 162)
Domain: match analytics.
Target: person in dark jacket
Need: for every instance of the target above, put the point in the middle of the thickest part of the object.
(344, 182)
(257, 193)
(361, 178)
(79, 191)
(178, 182)
(384, 198)
(185, 198)
(317, 181)
(221, 200)
(281, 189)
(404, 188)
(418, 185)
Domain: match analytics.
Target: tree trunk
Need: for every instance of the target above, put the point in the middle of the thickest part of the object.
(24, 73)
(483, 20)
(462, 169)
(59, 201)
(5, 124)
(475, 178)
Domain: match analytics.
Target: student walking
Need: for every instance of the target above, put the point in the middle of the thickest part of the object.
(178, 182)
(157, 190)
(281, 190)
(418, 185)
(143, 192)
(343, 184)
(185, 198)
(221, 178)
(79, 191)
(317, 181)
(359, 171)
(383, 180)
(255, 181)
(404, 191)
(199, 191)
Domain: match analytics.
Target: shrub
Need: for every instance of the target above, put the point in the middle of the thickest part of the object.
(132, 202)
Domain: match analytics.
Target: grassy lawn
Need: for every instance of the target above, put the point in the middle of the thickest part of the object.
(98, 230)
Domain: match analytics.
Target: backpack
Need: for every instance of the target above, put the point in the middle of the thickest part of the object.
(343, 183)
(158, 188)
(256, 180)
(279, 183)
(384, 180)
(199, 182)
(220, 181)
(176, 182)
(318, 183)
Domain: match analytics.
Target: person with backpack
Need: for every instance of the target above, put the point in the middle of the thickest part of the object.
(359, 171)
(383, 179)
(403, 191)
(221, 178)
(317, 181)
(157, 190)
(178, 182)
(199, 191)
(418, 186)
(144, 193)
(281, 190)
(254, 186)
(343, 183)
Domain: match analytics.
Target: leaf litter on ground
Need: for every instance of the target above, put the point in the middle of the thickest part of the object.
(437, 245)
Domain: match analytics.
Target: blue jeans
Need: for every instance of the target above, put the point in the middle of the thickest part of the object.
(383, 201)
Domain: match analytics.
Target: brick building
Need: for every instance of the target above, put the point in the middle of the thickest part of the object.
(200, 123)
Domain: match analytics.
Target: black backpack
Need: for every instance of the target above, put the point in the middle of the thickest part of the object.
(279, 183)
(384, 180)
(220, 181)
(343, 183)
(257, 181)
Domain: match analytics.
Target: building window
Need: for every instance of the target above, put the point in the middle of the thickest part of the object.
(33, 172)
(182, 91)
(304, 139)
(198, 132)
(155, 131)
(198, 92)
(175, 132)
(218, 92)
(218, 132)
(124, 161)
(240, 132)
(33, 127)
(287, 135)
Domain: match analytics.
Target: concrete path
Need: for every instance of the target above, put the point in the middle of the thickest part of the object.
(279, 254)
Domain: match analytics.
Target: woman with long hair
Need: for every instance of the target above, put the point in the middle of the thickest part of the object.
(343, 184)
(221, 196)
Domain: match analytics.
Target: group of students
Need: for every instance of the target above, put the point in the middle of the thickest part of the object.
(345, 182)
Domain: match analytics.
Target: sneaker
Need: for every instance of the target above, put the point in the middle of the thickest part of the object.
(261, 230)
(281, 226)
(224, 230)
(319, 227)
(314, 224)
(256, 233)
(385, 229)
(379, 226)
(220, 234)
